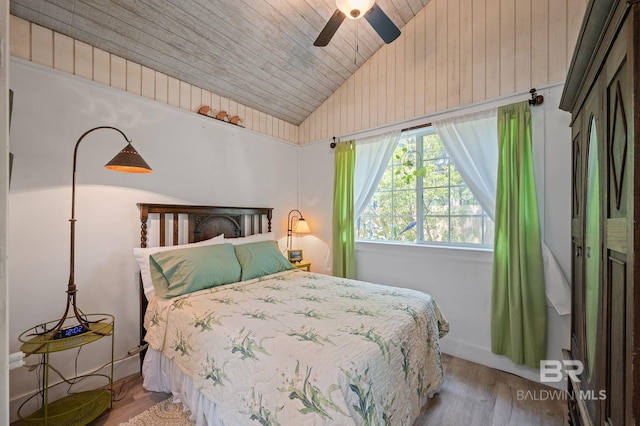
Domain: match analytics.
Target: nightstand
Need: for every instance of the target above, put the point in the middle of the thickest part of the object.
(303, 264)
(78, 408)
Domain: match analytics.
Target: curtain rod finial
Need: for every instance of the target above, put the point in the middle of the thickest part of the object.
(333, 144)
(535, 98)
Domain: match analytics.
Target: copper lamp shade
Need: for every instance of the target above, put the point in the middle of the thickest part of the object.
(129, 161)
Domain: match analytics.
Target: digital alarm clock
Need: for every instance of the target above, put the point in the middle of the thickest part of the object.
(69, 332)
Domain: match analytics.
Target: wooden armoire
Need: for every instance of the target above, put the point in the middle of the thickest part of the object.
(602, 92)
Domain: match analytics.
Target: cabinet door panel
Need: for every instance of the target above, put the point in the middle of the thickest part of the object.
(617, 371)
(619, 222)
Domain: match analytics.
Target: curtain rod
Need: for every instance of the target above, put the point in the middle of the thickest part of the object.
(535, 100)
(406, 129)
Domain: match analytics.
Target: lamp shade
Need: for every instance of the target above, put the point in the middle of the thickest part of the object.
(301, 227)
(129, 161)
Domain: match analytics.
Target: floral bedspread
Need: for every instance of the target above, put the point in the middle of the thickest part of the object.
(298, 348)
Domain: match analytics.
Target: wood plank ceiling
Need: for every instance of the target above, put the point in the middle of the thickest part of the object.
(258, 53)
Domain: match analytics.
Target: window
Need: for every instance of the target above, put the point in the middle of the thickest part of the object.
(422, 198)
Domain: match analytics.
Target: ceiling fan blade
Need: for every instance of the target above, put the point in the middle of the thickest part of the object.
(382, 24)
(330, 29)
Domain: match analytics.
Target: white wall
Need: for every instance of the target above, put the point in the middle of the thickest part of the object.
(459, 279)
(196, 160)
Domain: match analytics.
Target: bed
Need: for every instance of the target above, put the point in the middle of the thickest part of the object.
(278, 345)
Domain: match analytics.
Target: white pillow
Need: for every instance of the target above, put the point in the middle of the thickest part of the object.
(142, 256)
(255, 238)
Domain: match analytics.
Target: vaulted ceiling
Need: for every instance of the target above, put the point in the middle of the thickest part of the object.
(259, 53)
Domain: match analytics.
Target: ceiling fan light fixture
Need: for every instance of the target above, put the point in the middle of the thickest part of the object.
(354, 9)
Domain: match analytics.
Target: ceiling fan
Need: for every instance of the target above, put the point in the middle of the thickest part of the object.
(355, 9)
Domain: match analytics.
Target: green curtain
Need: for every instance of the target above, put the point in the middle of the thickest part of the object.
(518, 304)
(343, 221)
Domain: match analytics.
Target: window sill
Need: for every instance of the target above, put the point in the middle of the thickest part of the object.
(476, 254)
(427, 245)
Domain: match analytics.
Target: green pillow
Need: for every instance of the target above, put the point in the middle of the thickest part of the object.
(261, 258)
(182, 271)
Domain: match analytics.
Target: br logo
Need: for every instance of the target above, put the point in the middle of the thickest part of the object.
(551, 370)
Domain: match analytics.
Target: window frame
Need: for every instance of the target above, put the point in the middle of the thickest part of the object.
(419, 188)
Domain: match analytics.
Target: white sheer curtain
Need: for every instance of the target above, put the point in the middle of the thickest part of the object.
(372, 157)
(472, 143)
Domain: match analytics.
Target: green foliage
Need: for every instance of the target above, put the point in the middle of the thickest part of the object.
(308, 335)
(246, 346)
(309, 312)
(258, 314)
(371, 335)
(313, 400)
(182, 344)
(214, 373)
(262, 415)
(361, 386)
(156, 319)
(410, 165)
(206, 321)
(405, 360)
(270, 299)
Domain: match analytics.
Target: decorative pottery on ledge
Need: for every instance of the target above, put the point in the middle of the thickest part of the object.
(221, 115)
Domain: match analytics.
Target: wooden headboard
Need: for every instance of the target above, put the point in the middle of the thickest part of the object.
(204, 222)
(197, 223)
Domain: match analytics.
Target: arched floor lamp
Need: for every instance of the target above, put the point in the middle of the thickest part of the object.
(129, 161)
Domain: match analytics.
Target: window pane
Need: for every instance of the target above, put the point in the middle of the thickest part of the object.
(437, 173)
(463, 202)
(405, 161)
(404, 178)
(432, 147)
(489, 231)
(405, 228)
(386, 180)
(436, 228)
(375, 223)
(404, 202)
(467, 229)
(456, 179)
(374, 227)
(435, 201)
(406, 144)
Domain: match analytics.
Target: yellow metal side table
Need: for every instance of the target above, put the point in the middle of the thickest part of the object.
(79, 408)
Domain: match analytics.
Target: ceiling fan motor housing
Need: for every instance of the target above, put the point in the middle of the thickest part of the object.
(354, 9)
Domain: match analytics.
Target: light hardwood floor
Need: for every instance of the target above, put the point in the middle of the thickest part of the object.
(472, 394)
